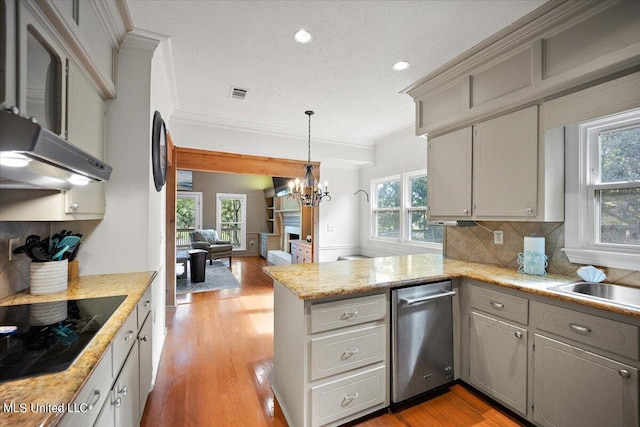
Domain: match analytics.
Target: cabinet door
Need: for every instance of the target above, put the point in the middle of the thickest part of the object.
(449, 175)
(498, 359)
(127, 389)
(145, 361)
(505, 164)
(573, 387)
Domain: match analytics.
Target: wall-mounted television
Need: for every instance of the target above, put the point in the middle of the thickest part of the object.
(281, 186)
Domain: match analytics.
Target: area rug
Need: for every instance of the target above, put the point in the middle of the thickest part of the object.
(216, 277)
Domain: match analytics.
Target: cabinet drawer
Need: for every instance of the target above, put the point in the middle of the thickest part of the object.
(500, 304)
(92, 396)
(616, 337)
(347, 350)
(123, 341)
(347, 396)
(353, 311)
(144, 306)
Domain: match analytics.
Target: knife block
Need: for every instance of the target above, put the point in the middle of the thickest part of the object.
(72, 272)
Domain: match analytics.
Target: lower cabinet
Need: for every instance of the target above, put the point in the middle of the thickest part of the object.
(574, 387)
(116, 392)
(498, 360)
(331, 359)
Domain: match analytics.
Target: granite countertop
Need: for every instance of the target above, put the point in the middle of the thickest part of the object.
(61, 387)
(325, 279)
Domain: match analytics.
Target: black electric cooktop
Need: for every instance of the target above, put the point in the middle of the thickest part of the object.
(46, 337)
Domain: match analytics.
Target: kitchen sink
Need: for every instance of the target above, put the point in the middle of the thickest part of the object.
(618, 294)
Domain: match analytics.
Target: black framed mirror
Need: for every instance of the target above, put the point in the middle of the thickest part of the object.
(159, 151)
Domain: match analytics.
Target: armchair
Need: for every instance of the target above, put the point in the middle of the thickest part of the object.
(208, 240)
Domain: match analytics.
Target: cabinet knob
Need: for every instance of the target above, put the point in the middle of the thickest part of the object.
(94, 401)
(518, 334)
(144, 338)
(466, 211)
(349, 353)
(348, 315)
(117, 402)
(349, 398)
(123, 391)
(624, 373)
(74, 206)
(128, 336)
(529, 211)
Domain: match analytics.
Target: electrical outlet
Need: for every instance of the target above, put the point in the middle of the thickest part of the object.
(329, 227)
(498, 237)
(13, 243)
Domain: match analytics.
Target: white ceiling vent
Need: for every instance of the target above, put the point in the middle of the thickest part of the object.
(238, 92)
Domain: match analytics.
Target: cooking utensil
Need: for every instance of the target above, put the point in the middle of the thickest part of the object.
(71, 255)
(68, 241)
(58, 255)
(38, 251)
(28, 241)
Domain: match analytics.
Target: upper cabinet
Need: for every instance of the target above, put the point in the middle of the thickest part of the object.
(559, 48)
(499, 169)
(57, 64)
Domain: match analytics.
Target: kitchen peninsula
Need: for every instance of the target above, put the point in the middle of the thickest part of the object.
(64, 389)
(341, 309)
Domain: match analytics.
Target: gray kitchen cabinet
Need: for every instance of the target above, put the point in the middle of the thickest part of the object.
(449, 160)
(499, 169)
(331, 358)
(116, 391)
(505, 165)
(498, 360)
(575, 387)
(301, 252)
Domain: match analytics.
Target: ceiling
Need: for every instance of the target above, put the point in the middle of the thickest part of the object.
(344, 73)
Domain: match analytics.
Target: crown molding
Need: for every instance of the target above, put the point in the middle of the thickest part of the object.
(141, 42)
(192, 117)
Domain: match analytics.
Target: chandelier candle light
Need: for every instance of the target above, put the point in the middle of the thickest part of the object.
(306, 191)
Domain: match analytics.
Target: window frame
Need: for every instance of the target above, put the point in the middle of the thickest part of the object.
(582, 205)
(375, 209)
(243, 234)
(404, 211)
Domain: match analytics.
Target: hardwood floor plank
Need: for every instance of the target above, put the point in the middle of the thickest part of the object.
(216, 367)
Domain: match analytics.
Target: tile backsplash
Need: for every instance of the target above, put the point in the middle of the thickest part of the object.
(14, 275)
(475, 244)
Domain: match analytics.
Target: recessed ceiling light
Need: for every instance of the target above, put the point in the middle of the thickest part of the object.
(302, 36)
(402, 65)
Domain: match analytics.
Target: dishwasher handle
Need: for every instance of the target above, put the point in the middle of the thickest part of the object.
(412, 301)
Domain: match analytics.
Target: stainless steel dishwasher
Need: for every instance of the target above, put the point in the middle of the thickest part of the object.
(421, 339)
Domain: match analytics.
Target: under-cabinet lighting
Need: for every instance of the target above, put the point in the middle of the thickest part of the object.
(13, 160)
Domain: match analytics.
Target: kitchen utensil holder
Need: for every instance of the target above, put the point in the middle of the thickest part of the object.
(48, 277)
(532, 262)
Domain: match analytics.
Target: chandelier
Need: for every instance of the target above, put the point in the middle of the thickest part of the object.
(306, 191)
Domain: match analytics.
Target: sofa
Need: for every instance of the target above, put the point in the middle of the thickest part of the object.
(208, 240)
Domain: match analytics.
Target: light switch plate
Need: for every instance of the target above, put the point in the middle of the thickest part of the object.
(13, 243)
(498, 237)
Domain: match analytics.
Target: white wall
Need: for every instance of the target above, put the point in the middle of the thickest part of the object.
(395, 154)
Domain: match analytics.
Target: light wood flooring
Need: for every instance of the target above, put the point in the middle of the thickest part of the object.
(216, 367)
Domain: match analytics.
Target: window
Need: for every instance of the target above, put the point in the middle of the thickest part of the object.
(188, 216)
(387, 196)
(604, 226)
(417, 220)
(399, 210)
(231, 219)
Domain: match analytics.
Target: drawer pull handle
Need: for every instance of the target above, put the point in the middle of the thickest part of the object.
(497, 305)
(518, 334)
(123, 391)
(128, 336)
(146, 304)
(117, 402)
(350, 315)
(624, 373)
(96, 398)
(349, 398)
(349, 353)
(580, 329)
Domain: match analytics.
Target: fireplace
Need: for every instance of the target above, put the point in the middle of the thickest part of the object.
(290, 233)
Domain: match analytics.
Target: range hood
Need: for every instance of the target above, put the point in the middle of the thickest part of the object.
(48, 161)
